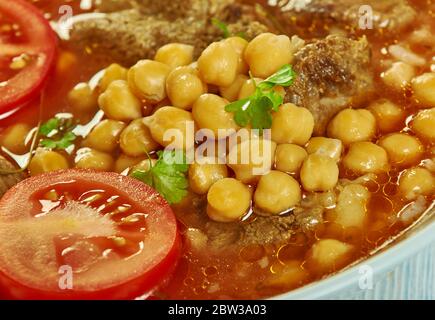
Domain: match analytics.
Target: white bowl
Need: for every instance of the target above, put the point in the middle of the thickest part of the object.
(356, 278)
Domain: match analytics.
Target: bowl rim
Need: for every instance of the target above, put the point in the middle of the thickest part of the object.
(380, 263)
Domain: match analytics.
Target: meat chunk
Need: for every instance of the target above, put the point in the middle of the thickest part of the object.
(332, 74)
(260, 230)
(133, 34)
(7, 181)
(266, 229)
(392, 15)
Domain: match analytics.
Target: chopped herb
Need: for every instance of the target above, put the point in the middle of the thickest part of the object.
(283, 77)
(64, 142)
(49, 126)
(167, 176)
(257, 109)
(224, 28)
(57, 133)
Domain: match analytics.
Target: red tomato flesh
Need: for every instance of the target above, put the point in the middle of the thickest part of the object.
(27, 38)
(116, 236)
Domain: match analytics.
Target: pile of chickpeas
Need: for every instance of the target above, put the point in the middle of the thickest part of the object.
(141, 103)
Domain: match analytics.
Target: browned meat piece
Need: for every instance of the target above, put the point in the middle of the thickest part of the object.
(9, 180)
(221, 235)
(306, 217)
(332, 74)
(130, 35)
(392, 15)
(260, 230)
(268, 230)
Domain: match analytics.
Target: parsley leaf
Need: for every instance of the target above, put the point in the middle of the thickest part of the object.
(57, 133)
(239, 108)
(167, 176)
(224, 28)
(257, 109)
(49, 126)
(64, 142)
(283, 77)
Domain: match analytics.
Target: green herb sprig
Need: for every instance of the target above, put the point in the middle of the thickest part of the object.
(226, 33)
(257, 109)
(57, 133)
(167, 175)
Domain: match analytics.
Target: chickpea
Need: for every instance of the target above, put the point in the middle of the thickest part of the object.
(416, 182)
(328, 255)
(389, 116)
(424, 89)
(184, 87)
(366, 157)
(231, 93)
(209, 113)
(145, 164)
(251, 158)
(87, 158)
(325, 146)
(124, 162)
(319, 173)
(424, 123)
(119, 103)
(203, 175)
(263, 62)
(83, 99)
(228, 200)
(239, 44)
(136, 139)
(277, 192)
(399, 75)
(175, 55)
(104, 137)
(292, 124)
(403, 150)
(14, 138)
(147, 79)
(289, 158)
(169, 120)
(112, 73)
(218, 64)
(351, 208)
(353, 125)
(46, 161)
(248, 88)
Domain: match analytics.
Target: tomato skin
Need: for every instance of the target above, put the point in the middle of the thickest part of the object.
(28, 83)
(12, 288)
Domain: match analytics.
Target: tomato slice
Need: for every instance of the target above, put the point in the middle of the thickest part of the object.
(79, 234)
(27, 53)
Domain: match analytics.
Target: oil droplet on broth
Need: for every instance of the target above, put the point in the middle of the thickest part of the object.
(210, 271)
(189, 282)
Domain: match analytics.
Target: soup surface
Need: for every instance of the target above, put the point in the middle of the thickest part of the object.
(351, 163)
